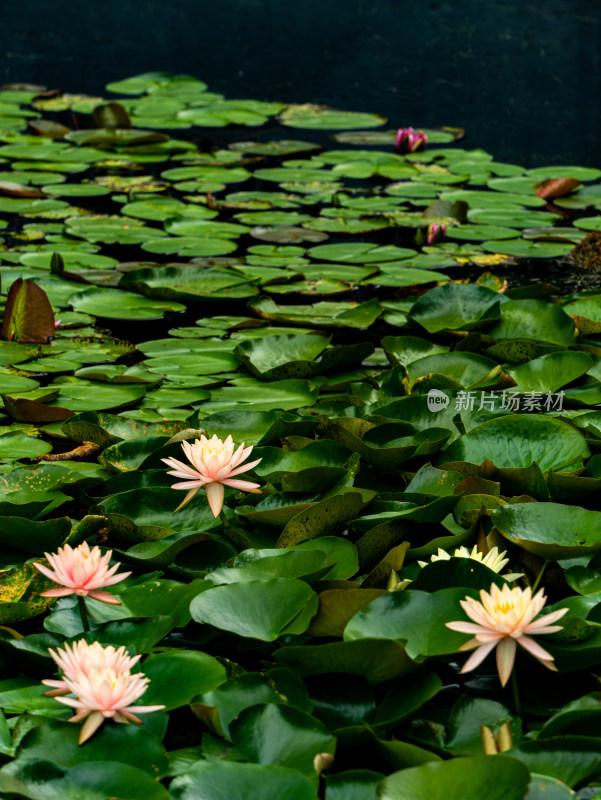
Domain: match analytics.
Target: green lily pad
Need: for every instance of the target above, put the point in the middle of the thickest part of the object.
(16, 445)
(549, 373)
(257, 609)
(324, 118)
(528, 249)
(189, 246)
(188, 284)
(534, 319)
(360, 252)
(322, 314)
(457, 307)
(276, 357)
(117, 304)
(378, 660)
(518, 440)
(499, 778)
(236, 781)
(550, 530)
(274, 733)
(178, 676)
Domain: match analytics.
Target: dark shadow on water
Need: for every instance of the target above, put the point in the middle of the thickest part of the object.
(524, 78)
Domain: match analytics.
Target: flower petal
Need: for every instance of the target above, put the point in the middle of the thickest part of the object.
(235, 483)
(465, 627)
(215, 495)
(548, 619)
(535, 649)
(104, 597)
(45, 570)
(245, 467)
(505, 658)
(192, 493)
(90, 726)
(57, 592)
(478, 656)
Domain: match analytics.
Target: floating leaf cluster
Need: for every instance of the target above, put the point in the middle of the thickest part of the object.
(402, 399)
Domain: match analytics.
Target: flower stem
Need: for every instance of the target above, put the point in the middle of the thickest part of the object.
(83, 612)
(541, 572)
(223, 519)
(515, 692)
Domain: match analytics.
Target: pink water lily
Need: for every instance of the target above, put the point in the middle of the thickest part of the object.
(81, 571)
(81, 657)
(214, 465)
(435, 233)
(410, 141)
(502, 620)
(105, 694)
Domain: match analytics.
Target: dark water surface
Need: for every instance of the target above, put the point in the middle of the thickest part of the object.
(523, 78)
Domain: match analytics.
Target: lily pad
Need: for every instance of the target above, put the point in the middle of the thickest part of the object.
(551, 530)
(117, 304)
(519, 440)
(258, 609)
(324, 118)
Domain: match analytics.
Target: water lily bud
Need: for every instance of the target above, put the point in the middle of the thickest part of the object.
(489, 743)
(323, 762)
(393, 581)
(436, 233)
(410, 141)
(504, 737)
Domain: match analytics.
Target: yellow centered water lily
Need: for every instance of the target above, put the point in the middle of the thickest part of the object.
(81, 571)
(105, 694)
(81, 657)
(214, 465)
(493, 559)
(503, 619)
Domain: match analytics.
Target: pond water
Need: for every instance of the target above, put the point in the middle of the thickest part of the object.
(519, 76)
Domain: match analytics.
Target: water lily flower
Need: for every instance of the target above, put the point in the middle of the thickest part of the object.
(493, 559)
(214, 465)
(81, 657)
(410, 141)
(503, 620)
(105, 694)
(82, 572)
(435, 233)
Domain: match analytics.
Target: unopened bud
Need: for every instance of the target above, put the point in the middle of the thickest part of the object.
(322, 762)
(504, 737)
(410, 141)
(489, 743)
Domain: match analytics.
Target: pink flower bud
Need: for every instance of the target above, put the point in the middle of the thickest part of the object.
(436, 233)
(410, 141)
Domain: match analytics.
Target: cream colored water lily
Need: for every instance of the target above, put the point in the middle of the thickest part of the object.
(214, 465)
(503, 619)
(493, 559)
(105, 694)
(81, 657)
(81, 571)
